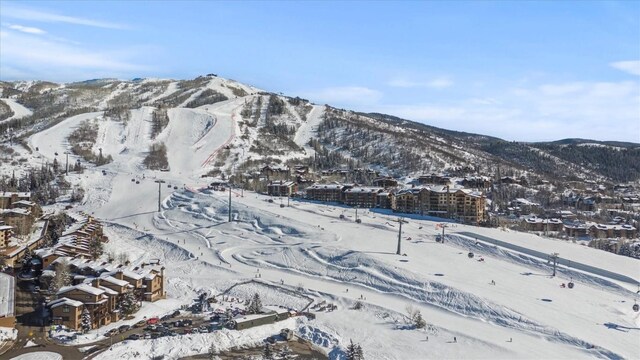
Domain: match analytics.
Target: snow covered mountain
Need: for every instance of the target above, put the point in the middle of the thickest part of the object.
(484, 293)
(227, 124)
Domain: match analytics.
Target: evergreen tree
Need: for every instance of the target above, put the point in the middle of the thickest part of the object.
(95, 247)
(256, 304)
(354, 351)
(85, 320)
(27, 257)
(212, 352)
(418, 321)
(62, 276)
(285, 353)
(129, 304)
(267, 352)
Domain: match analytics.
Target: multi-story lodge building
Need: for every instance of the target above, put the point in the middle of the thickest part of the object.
(363, 197)
(464, 205)
(282, 188)
(327, 192)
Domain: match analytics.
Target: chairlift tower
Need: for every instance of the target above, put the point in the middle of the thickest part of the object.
(160, 182)
(554, 257)
(400, 221)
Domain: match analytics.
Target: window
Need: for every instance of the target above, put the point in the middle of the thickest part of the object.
(65, 309)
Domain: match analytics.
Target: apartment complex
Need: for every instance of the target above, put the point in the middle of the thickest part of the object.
(464, 205)
(101, 294)
(17, 210)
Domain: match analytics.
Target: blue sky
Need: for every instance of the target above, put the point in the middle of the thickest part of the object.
(526, 71)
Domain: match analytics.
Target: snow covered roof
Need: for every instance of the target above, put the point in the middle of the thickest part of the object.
(82, 287)
(114, 281)
(537, 220)
(150, 276)
(5, 227)
(132, 275)
(25, 202)
(19, 194)
(364, 189)
(282, 183)
(19, 211)
(326, 186)
(64, 301)
(522, 201)
(250, 317)
(276, 309)
(108, 291)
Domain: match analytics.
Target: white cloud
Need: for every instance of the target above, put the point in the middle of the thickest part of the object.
(437, 83)
(27, 29)
(592, 110)
(37, 15)
(631, 66)
(45, 58)
(352, 95)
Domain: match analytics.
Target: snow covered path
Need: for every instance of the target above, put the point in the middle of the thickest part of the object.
(19, 111)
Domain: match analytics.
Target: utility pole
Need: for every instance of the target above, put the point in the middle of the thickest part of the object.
(442, 225)
(400, 221)
(554, 257)
(160, 182)
(66, 166)
(229, 201)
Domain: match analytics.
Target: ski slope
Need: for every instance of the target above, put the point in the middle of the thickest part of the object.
(19, 111)
(308, 244)
(307, 248)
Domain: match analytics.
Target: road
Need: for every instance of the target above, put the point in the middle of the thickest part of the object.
(544, 256)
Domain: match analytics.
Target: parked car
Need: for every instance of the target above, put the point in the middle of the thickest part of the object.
(203, 329)
(187, 322)
(175, 313)
(153, 320)
(166, 317)
(124, 328)
(133, 337)
(150, 328)
(111, 332)
(178, 324)
(140, 323)
(146, 335)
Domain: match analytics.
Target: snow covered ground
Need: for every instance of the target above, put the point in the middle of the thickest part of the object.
(39, 355)
(7, 334)
(307, 252)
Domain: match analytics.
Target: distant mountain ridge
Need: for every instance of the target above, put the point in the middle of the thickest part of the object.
(272, 128)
